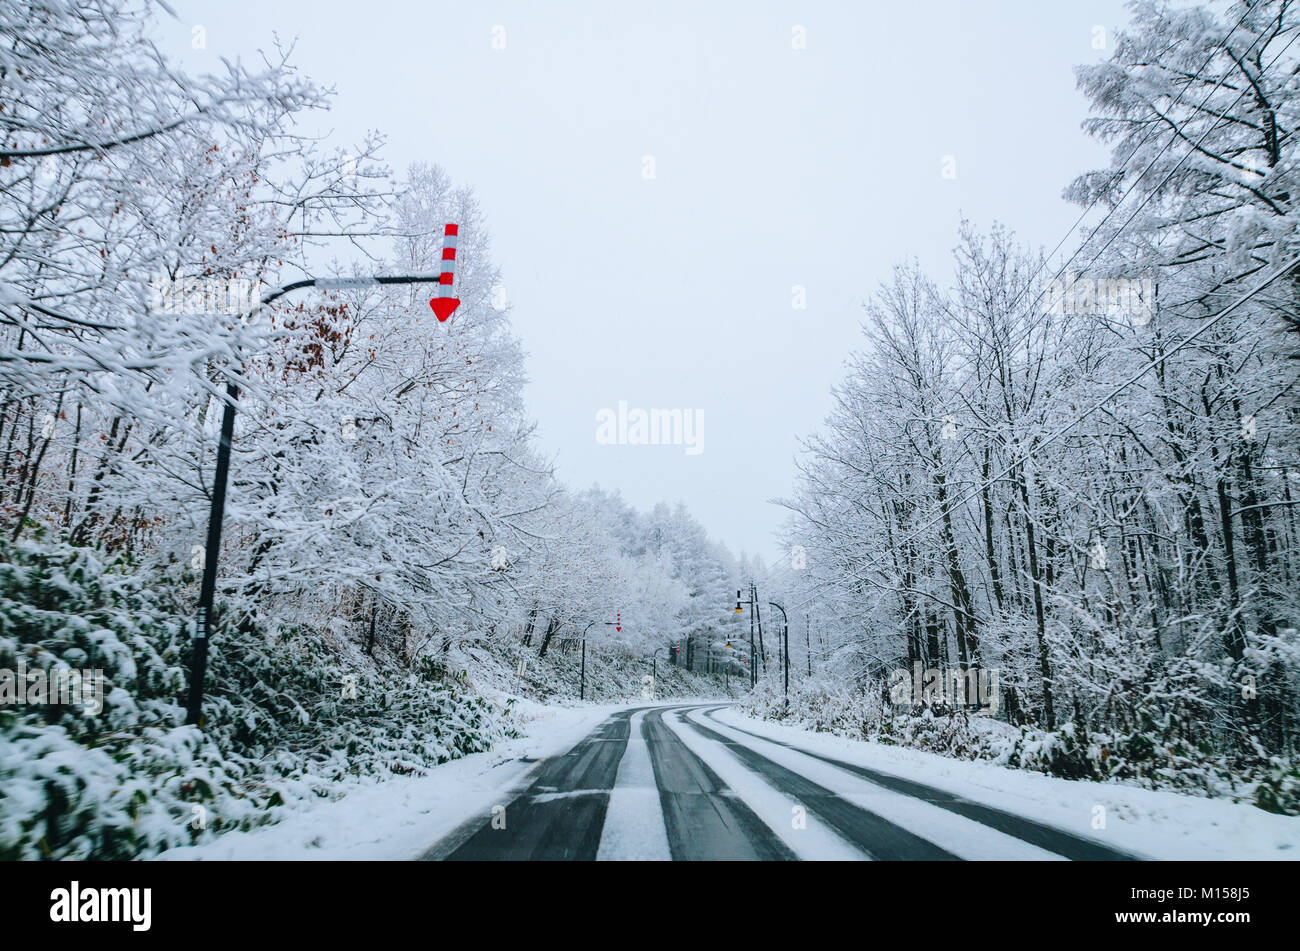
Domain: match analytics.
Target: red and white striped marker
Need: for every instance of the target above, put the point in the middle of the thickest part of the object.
(444, 304)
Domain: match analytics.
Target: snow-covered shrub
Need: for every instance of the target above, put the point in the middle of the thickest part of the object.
(826, 706)
(1279, 791)
(283, 719)
(820, 704)
(954, 734)
(1157, 754)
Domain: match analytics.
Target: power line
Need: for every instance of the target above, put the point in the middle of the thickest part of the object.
(1028, 331)
(1279, 272)
(1112, 238)
(1150, 194)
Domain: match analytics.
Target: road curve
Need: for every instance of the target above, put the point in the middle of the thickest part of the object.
(674, 782)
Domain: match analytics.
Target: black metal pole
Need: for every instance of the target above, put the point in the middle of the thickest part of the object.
(753, 654)
(208, 587)
(220, 478)
(729, 647)
(582, 687)
(807, 642)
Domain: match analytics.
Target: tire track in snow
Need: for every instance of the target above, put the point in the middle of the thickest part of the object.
(964, 838)
(706, 820)
(878, 837)
(1036, 833)
(771, 808)
(561, 815)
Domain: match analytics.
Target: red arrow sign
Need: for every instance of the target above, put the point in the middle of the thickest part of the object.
(444, 304)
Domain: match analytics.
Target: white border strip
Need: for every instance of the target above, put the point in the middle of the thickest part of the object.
(634, 822)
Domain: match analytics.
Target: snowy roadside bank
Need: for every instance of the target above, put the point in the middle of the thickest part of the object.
(1153, 824)
(399, 818)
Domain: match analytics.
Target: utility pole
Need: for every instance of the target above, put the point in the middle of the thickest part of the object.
(220, 478)
(785, 662)
(754, 648)
(807, 643)
(753, 654)
(739, 609)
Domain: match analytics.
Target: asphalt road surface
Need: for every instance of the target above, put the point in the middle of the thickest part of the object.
(678, 783)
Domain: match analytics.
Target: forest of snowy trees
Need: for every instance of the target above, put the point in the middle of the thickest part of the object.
(1082, 472)
(380, 457)
(1079, 472)
(394, 541)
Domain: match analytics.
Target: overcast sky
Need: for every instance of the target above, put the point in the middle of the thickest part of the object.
(774, 167)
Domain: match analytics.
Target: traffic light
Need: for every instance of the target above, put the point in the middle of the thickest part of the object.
(737, 600)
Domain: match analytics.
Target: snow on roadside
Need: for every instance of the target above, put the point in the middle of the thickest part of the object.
(400, 818)
(1143, 822)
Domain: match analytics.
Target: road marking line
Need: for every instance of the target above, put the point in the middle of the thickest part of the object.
(634, 820)
(816, 841)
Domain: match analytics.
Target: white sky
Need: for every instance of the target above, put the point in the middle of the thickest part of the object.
(774, 167)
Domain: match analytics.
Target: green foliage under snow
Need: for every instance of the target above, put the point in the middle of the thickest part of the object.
(134, 779)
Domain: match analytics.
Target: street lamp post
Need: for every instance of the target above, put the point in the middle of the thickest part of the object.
(208, 586)
(582, 688)
(753, 649)
(785, 662)
(654, 669)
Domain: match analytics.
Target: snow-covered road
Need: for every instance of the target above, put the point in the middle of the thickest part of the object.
(679, 783)
(700, 780)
